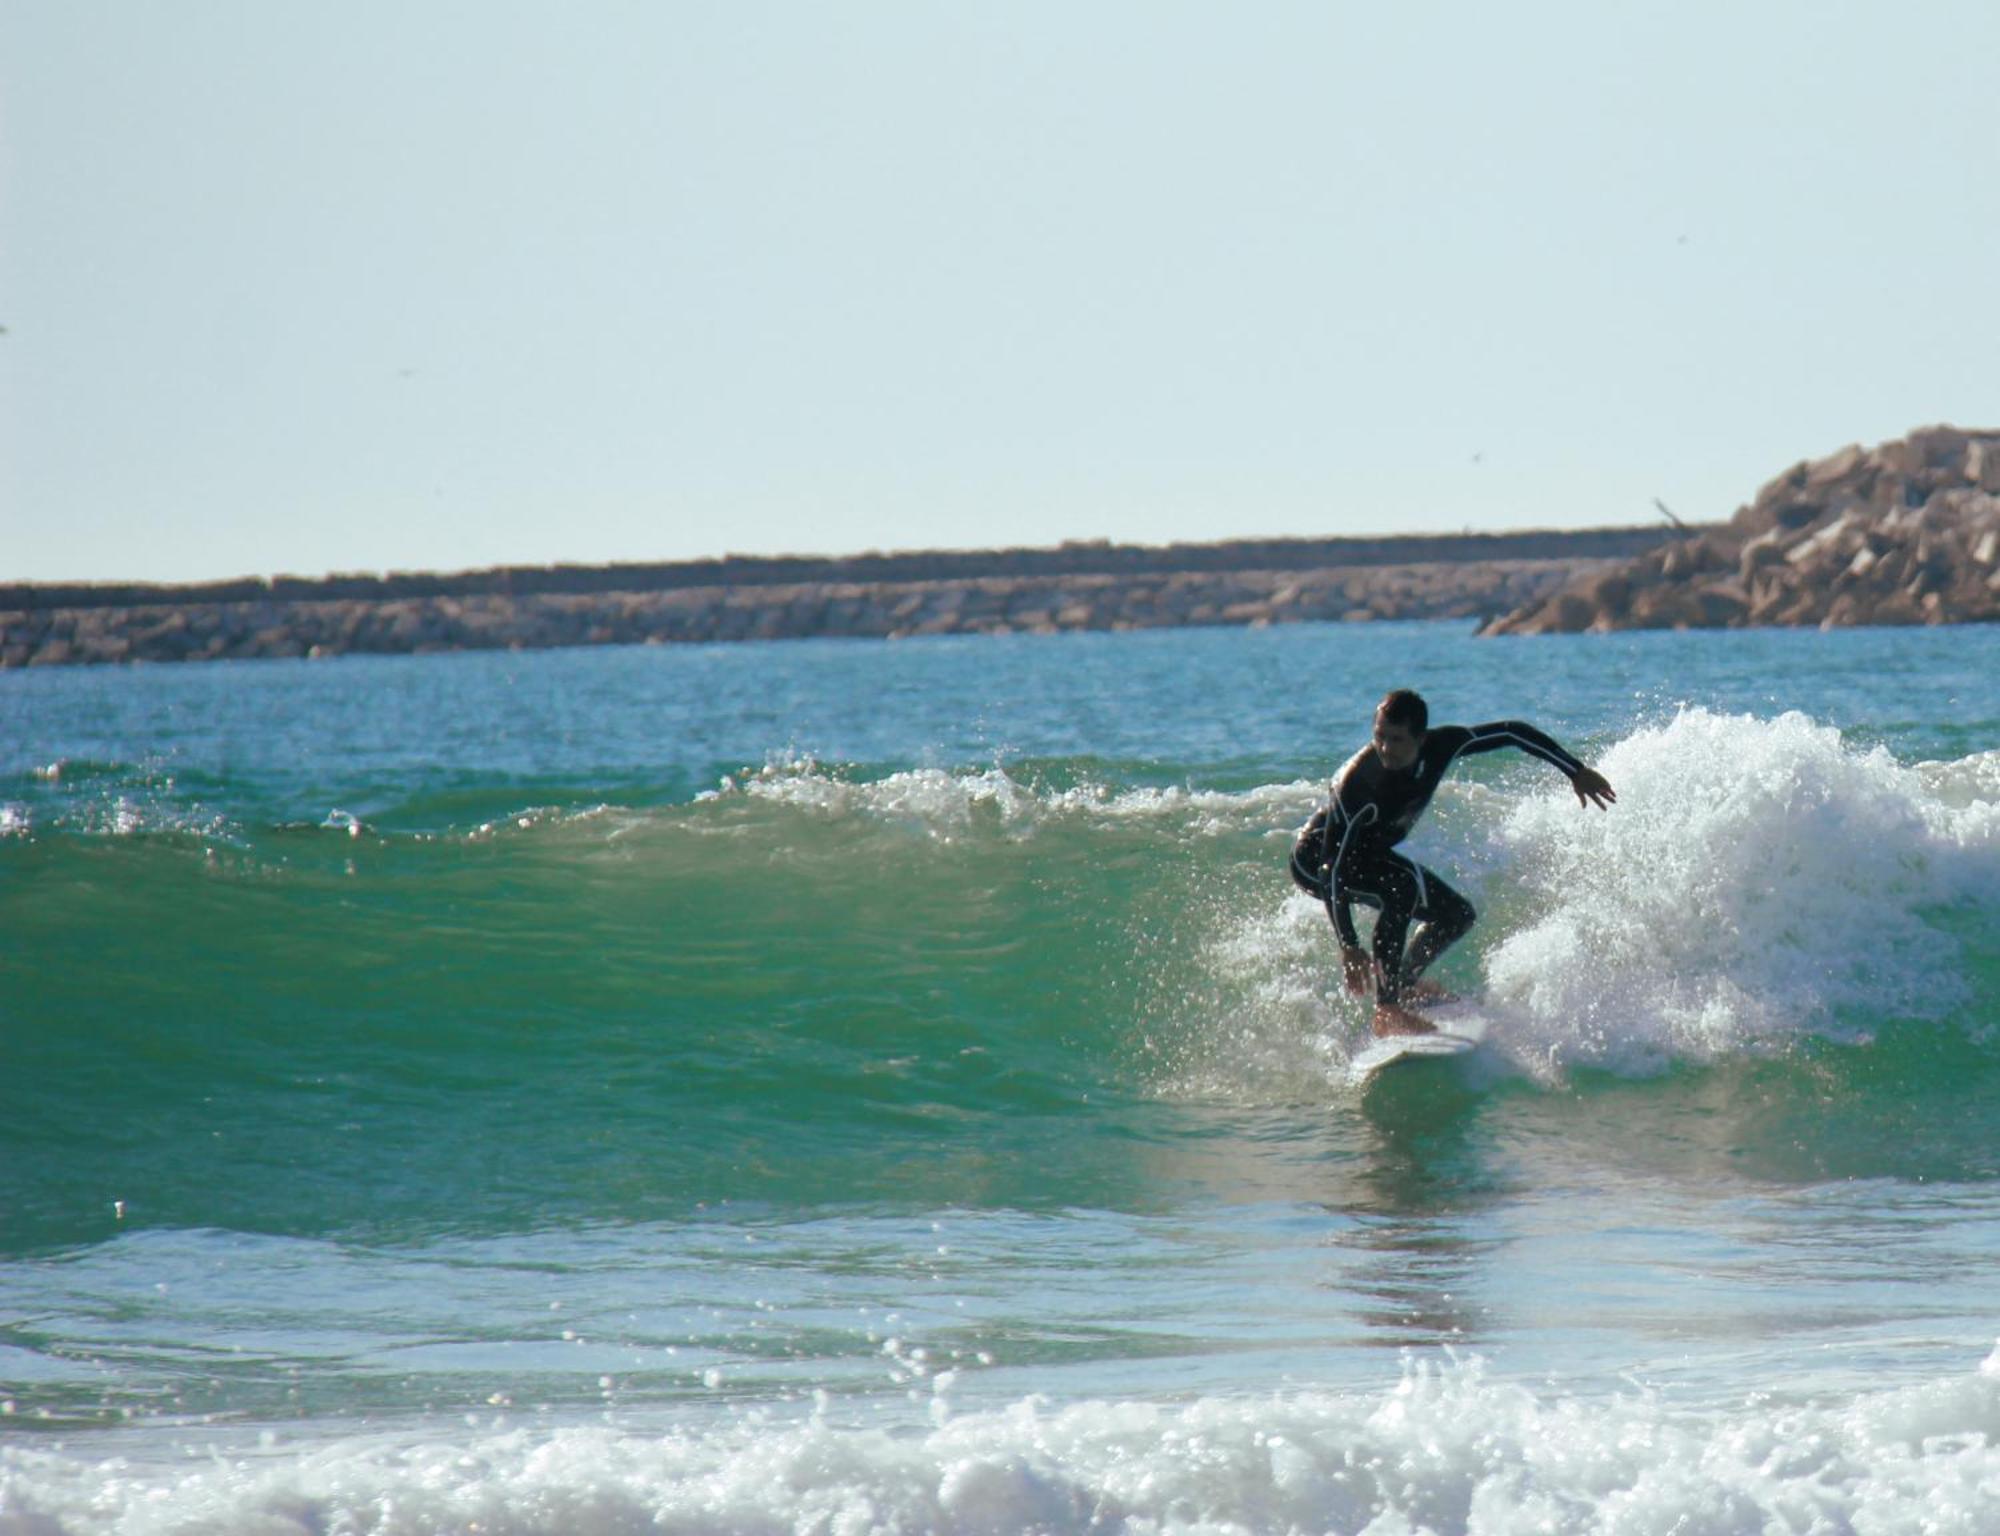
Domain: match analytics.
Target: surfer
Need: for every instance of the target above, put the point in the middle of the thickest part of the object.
(1347, 852)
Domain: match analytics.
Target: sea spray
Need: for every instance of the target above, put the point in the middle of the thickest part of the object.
(1757, 881)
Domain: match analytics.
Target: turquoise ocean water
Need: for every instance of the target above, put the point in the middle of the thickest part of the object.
(850, 1087)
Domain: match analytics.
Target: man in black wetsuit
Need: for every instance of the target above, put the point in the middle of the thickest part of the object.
(1347, 852)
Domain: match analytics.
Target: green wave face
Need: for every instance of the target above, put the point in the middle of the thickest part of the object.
(578, 1016)
(932, 988)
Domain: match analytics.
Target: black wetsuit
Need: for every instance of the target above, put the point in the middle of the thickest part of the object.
(1347, 852)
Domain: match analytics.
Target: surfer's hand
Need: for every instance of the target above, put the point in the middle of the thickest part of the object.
(1359, 970)
(1593, 787)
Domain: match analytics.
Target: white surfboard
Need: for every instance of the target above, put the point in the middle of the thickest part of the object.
(1461, 1026)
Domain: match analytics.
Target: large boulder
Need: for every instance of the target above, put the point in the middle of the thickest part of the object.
(1907, 532)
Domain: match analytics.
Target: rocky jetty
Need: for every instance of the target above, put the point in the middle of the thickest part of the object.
(1904, 533)
(1078, 586)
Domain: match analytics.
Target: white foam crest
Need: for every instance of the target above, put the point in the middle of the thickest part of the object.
(128, 816)
(1757, 879)
(1445, 1450)
(935, 797)
(539, 818)
(950, 800)
(1966, 793)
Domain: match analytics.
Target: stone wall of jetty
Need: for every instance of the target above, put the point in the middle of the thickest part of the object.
(1907, 532)
(1087, 586)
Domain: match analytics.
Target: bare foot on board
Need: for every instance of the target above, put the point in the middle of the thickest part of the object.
(1393, 1020)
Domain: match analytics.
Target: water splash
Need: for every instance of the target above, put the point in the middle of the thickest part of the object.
(1757, 881)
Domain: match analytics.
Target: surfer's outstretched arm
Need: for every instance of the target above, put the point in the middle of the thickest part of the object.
(1591, 787)
(1357, 967)
(1348, 809)
(1314, 856)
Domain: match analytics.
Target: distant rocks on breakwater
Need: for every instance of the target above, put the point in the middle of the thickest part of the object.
(1904, 533)
(1072, 587)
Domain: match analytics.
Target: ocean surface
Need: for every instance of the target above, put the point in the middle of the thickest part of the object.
(851, 1087)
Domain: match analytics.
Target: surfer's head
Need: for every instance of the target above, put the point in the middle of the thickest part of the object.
(1400, 722)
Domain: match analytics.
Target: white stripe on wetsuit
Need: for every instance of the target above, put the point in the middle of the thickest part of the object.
(1556, 759)
(1348, 823)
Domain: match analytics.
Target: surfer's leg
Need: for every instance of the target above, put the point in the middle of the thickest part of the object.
(1390, 885)
(1447, 918)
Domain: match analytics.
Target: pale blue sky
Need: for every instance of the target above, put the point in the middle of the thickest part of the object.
(296, 287)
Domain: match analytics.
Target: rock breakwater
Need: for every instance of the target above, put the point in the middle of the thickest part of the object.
(1907, 532)
(1001, 592)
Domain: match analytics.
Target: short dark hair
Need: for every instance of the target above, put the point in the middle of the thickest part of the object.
(1406, 707)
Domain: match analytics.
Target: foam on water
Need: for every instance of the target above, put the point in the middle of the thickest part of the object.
(1757, 880)
(948, 801)
(1445, 1450)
